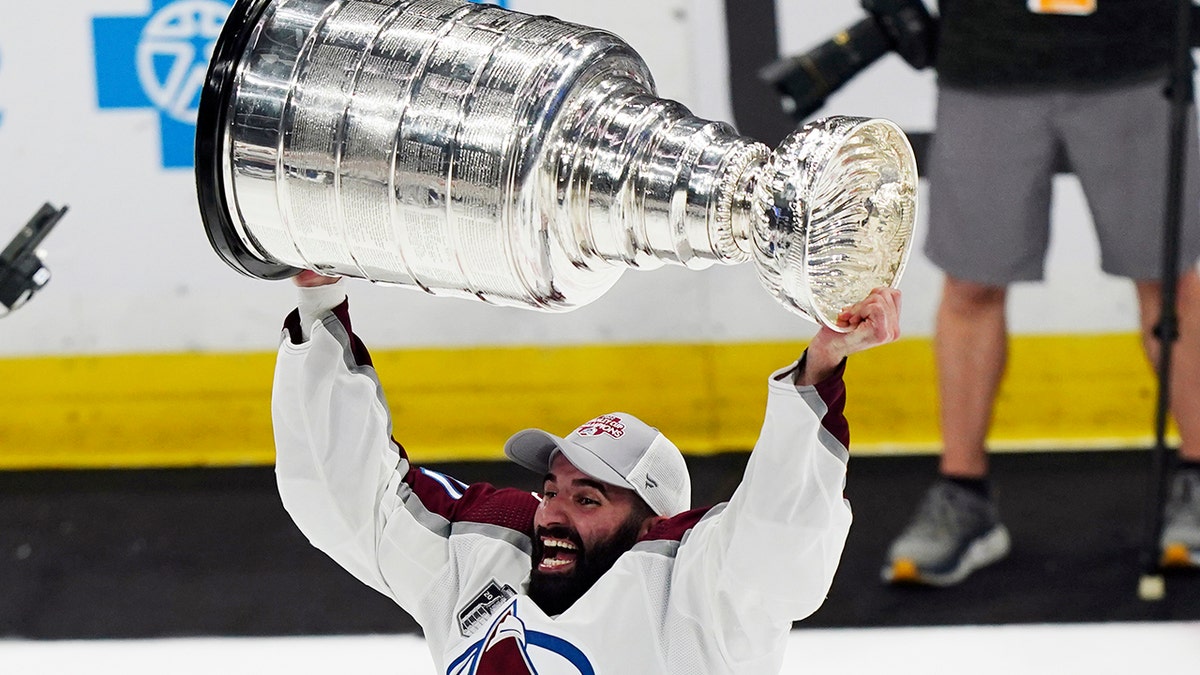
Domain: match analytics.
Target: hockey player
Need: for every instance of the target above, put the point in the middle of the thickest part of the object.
(607, 571)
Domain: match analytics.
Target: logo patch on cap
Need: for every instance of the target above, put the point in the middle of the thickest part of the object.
(604, 424)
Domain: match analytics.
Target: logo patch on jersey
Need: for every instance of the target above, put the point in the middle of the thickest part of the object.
(492, 596)
(604, 424)
(509, 648)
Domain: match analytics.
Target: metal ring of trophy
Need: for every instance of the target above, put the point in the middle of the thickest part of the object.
(473, 151)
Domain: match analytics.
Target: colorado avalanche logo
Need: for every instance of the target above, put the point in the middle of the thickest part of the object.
(604, 424)
(509, 649)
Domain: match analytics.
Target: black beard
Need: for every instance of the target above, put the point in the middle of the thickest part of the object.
(554, 593)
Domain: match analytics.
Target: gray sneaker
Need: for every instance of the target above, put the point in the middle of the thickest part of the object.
(953, 533)
(1180, 541)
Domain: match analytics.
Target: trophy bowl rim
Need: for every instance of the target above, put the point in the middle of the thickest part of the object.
(209, 163)
(826, 314)
(787, 272)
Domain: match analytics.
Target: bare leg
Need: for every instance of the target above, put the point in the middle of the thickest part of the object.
(971, 345)
(956, 530)
(1185, 354)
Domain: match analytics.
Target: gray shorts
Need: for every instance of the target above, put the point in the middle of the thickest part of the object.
(991, 165)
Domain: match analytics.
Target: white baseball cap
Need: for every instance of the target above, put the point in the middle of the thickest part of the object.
(617, 449)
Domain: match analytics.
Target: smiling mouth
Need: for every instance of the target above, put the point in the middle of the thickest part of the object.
(558, 555)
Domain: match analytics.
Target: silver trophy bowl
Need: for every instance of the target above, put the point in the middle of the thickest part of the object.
(472, 151)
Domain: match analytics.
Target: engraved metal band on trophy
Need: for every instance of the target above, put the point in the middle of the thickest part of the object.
(473, 151)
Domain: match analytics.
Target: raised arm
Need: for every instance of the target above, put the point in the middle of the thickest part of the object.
(336, 463)
(347, 484)
(768, 557)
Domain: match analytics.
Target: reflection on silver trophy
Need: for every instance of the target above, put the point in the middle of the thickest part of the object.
(473, 151)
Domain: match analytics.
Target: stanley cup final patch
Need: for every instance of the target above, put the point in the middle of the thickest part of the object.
(480, 608)
(1069, 7)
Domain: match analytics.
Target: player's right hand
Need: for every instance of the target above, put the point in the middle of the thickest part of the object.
(311, 279)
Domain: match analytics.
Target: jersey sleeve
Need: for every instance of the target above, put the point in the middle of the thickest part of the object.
(350, 487)
(766, 558)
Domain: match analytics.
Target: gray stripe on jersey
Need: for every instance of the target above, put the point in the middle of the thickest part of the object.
(517, 539)
(442, 526)
(339, 333)
(828, 440)
(666, 547)
(431, 521)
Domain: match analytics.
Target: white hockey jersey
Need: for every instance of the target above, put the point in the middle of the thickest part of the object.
(710, 591)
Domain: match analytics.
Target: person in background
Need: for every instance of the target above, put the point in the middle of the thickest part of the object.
(1019, 82)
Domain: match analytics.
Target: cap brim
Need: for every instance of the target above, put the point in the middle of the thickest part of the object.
(534, 448)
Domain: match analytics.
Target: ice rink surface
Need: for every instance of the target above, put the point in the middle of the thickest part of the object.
(1058, 649)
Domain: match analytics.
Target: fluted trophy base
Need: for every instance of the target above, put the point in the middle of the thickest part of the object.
(837, 206)
(471, 151)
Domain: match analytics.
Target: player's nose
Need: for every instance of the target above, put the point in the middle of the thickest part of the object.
(551, 512)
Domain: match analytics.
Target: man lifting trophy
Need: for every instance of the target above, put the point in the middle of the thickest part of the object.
(472, 151)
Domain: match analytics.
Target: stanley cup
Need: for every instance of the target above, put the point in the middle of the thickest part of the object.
(473, 151)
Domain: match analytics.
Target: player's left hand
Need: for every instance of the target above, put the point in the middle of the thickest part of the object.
(872, 322)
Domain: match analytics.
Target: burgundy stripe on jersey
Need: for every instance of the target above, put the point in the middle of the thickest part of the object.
(480, 503)
(359, 350)
(832, 390)
(361, 356)
(292, 325)
(673, 528)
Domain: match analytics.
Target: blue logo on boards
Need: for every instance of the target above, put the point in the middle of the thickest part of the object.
(158, 61)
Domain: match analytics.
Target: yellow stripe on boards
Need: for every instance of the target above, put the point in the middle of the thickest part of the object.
(214, 409)
(135, 411)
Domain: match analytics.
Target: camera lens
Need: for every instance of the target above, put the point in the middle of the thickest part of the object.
(804, 81)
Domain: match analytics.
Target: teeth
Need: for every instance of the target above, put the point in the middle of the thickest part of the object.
(558, 543)
(554, 562)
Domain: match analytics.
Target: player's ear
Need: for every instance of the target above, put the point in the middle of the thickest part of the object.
(648, 523)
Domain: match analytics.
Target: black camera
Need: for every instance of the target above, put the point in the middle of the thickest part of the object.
(806, 80)
(21, 270)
